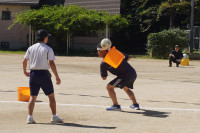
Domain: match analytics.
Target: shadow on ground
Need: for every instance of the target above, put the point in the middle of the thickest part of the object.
(84, 95)
(78, 125)
(151, 113)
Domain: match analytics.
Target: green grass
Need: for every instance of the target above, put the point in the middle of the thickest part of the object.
(11, 52)
(140, 56)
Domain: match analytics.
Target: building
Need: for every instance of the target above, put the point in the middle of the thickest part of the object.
(19, 36)
(89, 42)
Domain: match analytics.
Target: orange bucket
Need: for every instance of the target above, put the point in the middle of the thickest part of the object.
(113, 57)
(23, 94)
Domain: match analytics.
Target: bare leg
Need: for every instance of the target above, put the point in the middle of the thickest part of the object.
(112, 94)
(130, 94)
(52, 103)
(31, 104)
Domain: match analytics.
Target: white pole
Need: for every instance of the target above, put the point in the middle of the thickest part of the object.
(106, 31)
(67, 44)
(199, 37)
(32, 38)
(192, 27)
(29, 37)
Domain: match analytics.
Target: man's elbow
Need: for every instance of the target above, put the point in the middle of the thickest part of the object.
(51, 63)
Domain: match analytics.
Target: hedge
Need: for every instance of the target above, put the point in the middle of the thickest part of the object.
(159, 45)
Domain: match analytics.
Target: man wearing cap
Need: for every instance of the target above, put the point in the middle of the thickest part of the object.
(175, 56)
(126, 74)
(41, 58)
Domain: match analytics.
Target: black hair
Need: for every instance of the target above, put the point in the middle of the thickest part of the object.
(41, 39)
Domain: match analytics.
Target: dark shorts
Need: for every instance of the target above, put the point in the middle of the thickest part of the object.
(127, 80)
(40, 79)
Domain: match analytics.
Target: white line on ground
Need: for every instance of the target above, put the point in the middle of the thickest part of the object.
(99, 106)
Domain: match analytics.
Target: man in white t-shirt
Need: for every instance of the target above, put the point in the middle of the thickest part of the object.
(41, 58)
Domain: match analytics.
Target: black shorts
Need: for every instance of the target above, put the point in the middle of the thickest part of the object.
(123, 81)
(40, 79)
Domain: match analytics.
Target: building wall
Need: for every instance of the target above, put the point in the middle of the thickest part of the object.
(89, 43)
(17, 36)
(112, 6)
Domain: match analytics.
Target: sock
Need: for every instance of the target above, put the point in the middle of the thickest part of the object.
(55, 115)
(30, 116)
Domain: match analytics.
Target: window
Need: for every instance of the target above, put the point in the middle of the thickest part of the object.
(4, 45)
(5, 15)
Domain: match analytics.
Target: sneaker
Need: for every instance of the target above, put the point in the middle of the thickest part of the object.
(56, 119)
(135, 106)
(30, 120)
(114, 108)
(170, 65)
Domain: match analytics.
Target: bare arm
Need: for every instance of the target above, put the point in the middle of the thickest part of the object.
(24, 67)
(54, 70)
(172, 55)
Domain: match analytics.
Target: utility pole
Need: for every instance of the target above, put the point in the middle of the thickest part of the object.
(192, 27)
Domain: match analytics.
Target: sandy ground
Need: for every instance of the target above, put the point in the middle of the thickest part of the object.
(169, 98)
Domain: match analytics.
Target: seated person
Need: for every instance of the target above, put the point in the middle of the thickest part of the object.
(175, 56)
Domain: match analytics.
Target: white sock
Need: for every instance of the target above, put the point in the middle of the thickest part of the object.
(30, 116)
(55, 115)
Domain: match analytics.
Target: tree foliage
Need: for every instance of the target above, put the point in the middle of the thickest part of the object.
(72, 19)
(173, 13)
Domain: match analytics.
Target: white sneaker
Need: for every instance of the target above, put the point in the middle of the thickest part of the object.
(56, 119)
(30, 120)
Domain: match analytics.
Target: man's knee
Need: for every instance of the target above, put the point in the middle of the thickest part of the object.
(33, 98)
(109, 87)
(126, 89)
(171, 58)
(51, 97)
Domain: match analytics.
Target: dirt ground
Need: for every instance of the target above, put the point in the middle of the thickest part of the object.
(169, 98)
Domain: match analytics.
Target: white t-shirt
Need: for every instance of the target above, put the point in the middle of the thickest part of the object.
(38, 55)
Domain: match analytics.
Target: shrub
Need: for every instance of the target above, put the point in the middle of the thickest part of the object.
(159, 45)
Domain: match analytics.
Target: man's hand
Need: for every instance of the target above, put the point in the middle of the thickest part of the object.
(58, 81)
(104, 78)
(172, 55)
(128, 58)
(27, 74)
(24, 67)
(54, 70)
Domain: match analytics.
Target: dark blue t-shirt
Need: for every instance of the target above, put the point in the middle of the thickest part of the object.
(124, 69)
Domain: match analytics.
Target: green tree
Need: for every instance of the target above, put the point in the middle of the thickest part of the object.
(174, 7)
(153, 13)
(69, 20)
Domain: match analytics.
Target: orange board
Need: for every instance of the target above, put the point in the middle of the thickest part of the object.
(114, 57)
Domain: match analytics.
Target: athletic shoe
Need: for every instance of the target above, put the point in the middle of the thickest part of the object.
(114, 108)
(135, 106)
(30, 120)
(56, 119)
